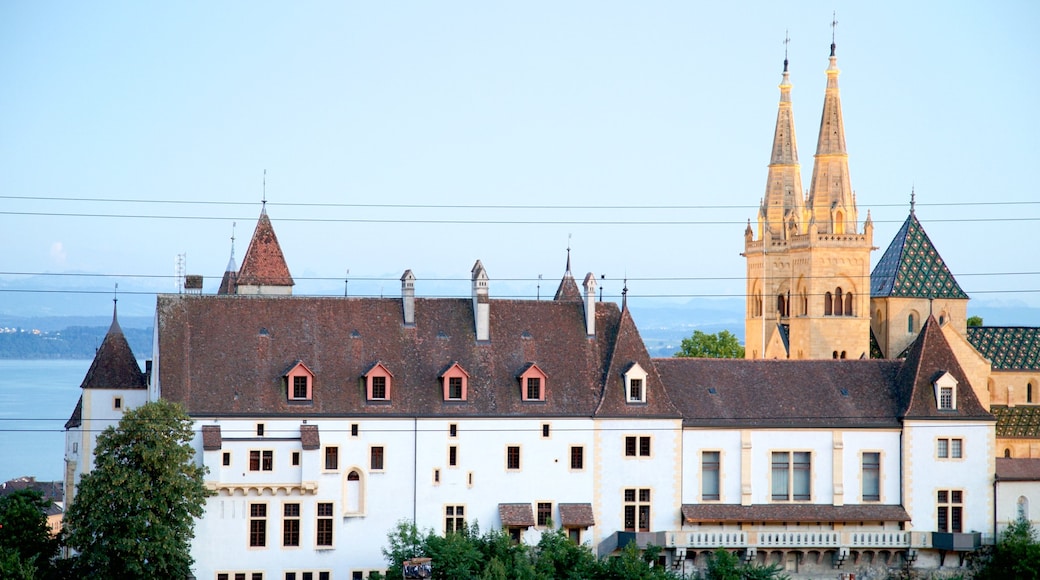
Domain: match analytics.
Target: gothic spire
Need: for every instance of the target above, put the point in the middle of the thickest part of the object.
(783, 205)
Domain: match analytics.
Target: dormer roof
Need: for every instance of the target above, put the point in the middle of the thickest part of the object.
(114, 365)
(912, 268)
(264, 264)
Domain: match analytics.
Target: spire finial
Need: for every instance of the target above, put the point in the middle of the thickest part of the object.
(263, 200)
(787, 41)
(568, 252)
(834, 27)
(913, 199)
(115, 302)
(624, 294)
(232, 240)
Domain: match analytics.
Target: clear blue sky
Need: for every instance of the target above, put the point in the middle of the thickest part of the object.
(644, 105)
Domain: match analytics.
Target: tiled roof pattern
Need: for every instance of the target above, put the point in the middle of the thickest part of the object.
(244, 343)
(629, 349)
(1025, 469)
(77, 415)
(211, 439)
(1018, 422)
(927, 359)
(793, 512)
(760, 393)
(576, 515)
(264, 264)
(568, 289)
(114, 365)
(51, 490)
(1007, 347)
(309, 437)
(911, 267)
(516, 514)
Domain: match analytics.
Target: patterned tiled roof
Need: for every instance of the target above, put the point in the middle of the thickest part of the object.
(1019, 422)
(1007, 347)
(912, 268)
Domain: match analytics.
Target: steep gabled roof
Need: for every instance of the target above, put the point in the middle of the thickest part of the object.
(568, 289)
(76, 419)
(264, 264)
(114, 365)
(928, 358)
(912, 268)
(1007, 347)
(629, 349)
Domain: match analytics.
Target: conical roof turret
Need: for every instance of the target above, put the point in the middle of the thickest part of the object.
(114, 365)
(264, 264)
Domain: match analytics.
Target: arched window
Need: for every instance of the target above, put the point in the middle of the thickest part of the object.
(1029, 392)
(1007, 453)
(839, 223)
(828, 304)
(837, 302)
(353, 492)
(835, 355)
(910, 323)
(842, 354)
(1023, 508)
(848, 304)
(781, 305)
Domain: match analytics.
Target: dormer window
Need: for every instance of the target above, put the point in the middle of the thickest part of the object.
(299, 382)
(532, 383)
(946, 392)
(635, 384)
(455, 382)
(378, 381)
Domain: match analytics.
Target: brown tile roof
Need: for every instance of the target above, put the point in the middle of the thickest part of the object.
(628, 349)
(114, 365)
(264, 264)
(792, 512)
(516, 514)
(576, 515)
(309, 438)
(1018, 469)
(211, 439)
(51, 490)
(224, 355)
(928, 358)
(782, 393)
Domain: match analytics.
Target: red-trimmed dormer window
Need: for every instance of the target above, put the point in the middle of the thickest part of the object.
(378, 381)
(455, 381)
(299, 382)
(532, 383)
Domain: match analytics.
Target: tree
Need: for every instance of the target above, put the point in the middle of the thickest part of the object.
(974, 321)
(26, 544)
(133, 515)
(722, 344)
(1015, 556)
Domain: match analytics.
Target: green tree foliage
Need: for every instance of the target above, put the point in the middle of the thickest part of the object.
(722, 344)
(133, 515)
(26, 545)
(974, 321)
(723, 565)
(1015, 556)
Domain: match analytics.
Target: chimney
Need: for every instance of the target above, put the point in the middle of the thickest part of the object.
(590, 304)
(481, 302)
(408, 297)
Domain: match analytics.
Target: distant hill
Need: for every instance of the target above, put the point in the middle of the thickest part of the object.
(43, 339)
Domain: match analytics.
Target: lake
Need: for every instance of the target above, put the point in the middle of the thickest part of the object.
(36, 399)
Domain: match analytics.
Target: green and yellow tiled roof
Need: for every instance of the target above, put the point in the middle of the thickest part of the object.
(912, 268)
(1022, 421)
(1007, 347)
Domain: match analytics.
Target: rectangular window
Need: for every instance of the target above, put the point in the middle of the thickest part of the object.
(259, 429)
(709, 475)
(545, 429)
(635, 390)
(226, 459)
(534, 388)
(455, 387)
(299, 387)
(955, 448)
(454, 519)
(291, 524)
(949, 517)
(574, 534)
(946, 397)
(544, 514)
(453, 455)
(377, 458)
(436, 475)
(949, 448)
(943, 448)
(637, 446)
(296, 458)
(353, 429)
(453, 430)
(637, 510)
(513, 457)
(117, 403)
(257, 525)
(577, 457)
(872, 476)
(324, 536)
(791, 475)
(261, 460)
(331, 458)
(378, 387)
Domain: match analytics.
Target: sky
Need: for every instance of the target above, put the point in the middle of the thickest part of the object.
(424, 136)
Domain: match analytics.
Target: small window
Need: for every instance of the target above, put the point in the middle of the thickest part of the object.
(453, 430)
(513, 457)
(324, 528)
(545, 430)
(637, 446)
(378, 382)
(378, 387)
(454, 381)
(947, 448)
(436, 475)
(577, 457)
(298, 381)
(296, 458)
(635, 384)
(544, 514)
(453, 455)
(1029, 392)
(117, 403)
(259, 429)
(534, 388)
(635, 392)
(377, 458)
(710, 475)
(331, 458)
(455, 388)
(454, 519)
(226, 460)
(353, 429)
(910, 326)
(950, 507)
(871, 476)
(261, 460)
(299, 388)
(574, 534)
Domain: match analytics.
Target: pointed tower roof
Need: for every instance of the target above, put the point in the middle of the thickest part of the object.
(568, 289)
(783, 201)
(928, 359)
(229, 281)
(912, 268)
(114, 365)
(264, 264)
(831, 187)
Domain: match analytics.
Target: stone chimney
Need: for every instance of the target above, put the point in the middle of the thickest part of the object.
(481, 302)
(590, 304)
(408, 297)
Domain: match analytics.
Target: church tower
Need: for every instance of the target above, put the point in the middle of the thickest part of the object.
(808, 270)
